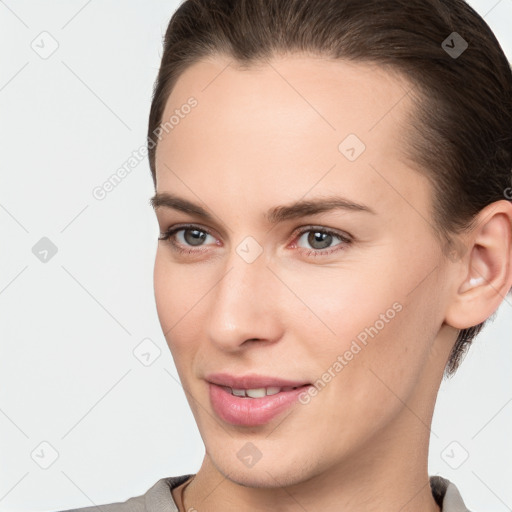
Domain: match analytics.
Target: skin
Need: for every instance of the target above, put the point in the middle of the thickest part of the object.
(267, 136)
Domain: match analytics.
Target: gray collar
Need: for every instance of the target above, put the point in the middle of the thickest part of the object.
(159, 499)
(447, 495)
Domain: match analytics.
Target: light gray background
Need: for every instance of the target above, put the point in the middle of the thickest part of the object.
(69, 326)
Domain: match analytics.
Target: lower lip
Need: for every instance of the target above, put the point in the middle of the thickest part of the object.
(251, 411)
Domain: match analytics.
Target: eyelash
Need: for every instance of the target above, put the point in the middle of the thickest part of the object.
(168, 236)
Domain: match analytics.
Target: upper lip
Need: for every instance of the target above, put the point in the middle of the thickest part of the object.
(252, 381)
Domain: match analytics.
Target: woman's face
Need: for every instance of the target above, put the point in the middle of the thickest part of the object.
(276, 274)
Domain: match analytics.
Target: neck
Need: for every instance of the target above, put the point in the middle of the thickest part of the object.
(372, 481)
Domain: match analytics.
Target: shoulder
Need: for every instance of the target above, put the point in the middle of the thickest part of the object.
(157, 498)
(447, 495)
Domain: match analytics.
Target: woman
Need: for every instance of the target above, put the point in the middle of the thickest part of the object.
(332, 186)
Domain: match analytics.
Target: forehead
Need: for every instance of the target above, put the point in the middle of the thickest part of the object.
(287, 122)
(290, 98)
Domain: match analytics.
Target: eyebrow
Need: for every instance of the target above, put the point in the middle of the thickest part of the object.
(277, 214)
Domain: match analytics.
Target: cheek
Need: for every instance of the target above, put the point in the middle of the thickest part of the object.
(176, 287)
(364, 320)
(175, 296)
(164, 284)
(341, 303)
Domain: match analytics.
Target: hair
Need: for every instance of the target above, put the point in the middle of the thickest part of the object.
(460, 131)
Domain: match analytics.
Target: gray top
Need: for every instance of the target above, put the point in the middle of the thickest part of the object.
(158, 498)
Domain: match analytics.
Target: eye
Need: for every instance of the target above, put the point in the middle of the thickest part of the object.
(185, 238)
(321, 240)
(182, 238)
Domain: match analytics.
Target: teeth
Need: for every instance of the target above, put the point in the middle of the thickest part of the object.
(257, 392)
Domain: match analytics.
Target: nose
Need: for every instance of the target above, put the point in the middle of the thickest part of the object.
(244, 305)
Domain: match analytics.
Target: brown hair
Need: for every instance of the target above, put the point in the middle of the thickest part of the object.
(460, 133)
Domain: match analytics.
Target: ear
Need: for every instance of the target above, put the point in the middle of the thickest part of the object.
(484, 276)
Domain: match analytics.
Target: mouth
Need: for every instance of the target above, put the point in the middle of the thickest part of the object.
(253, 382)
(260, 392)
(252, 400)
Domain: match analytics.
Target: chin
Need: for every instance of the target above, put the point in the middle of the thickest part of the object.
(267, 474)
(261, 479)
